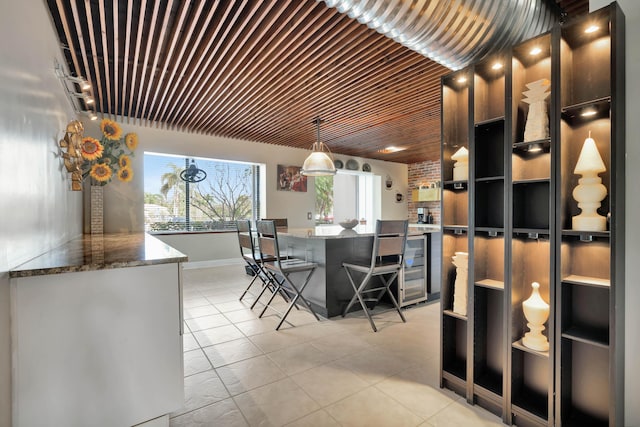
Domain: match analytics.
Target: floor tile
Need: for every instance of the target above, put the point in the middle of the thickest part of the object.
(242, 315)
(231, 352)
(224, 413)
(408, 388)
(277, 340)
(319, 418)
(329, 383)
(298, 358)
(341, 345)
(371, 407)
(195, 361)
(371, 365)
(217, 335)
(195, 302)
(233, 305)
(189, 342)
(205, 310)
(207, 322)
(275, 404)
(248, 374)
(201, 390)
(257, 326)
(459, 414)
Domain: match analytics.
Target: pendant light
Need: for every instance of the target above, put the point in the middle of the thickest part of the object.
(319, 162)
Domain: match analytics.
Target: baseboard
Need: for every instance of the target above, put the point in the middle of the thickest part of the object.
(212, 263)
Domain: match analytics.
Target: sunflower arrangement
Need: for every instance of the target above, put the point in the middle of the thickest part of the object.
(109, 156)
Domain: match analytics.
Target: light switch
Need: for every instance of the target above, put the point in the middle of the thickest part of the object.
(309, 215)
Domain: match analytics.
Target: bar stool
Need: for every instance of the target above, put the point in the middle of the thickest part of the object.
(386, 260)
(252, 258)
(281, 269)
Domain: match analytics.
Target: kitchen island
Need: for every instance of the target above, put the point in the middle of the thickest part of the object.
(329, 289)
(97, 333)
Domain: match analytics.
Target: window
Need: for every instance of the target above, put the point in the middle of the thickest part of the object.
(347, 196)
(229, 192)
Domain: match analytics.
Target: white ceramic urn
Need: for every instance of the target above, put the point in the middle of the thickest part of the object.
(589, 192)
(536, 311)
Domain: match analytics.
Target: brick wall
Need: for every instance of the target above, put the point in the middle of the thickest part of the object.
(423, 173)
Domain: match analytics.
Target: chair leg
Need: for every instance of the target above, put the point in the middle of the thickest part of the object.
(358, 296)
(298, 295)
(255, 276)
(355, 289)
(387, 284)
(273, 295)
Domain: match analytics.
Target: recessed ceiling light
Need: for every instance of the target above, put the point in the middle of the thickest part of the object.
(496, 66)
(392, 149)
(591, 29)
(535, 51)
(588, 113)
(462, 79)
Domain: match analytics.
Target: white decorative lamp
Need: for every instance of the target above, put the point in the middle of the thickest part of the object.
(537, 126)
(536, 311)
(461, 167)
(319, 162)
(461, 261)
(589, 192)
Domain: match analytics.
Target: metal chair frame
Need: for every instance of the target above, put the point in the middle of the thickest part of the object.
(253, 259)
(281, 269)
(386, 260)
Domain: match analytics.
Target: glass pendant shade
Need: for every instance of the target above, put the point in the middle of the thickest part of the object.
(319, 162)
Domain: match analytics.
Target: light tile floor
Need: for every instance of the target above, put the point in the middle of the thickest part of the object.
(239, 371)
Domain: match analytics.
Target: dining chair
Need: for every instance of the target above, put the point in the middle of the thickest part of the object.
(252, 258)
(279, 222)
(282, 269)
(387, 256)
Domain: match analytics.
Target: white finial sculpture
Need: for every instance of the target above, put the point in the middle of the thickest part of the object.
(536, 311)
(461, 261)
(537, 126)
(589, 192)
(461, 167)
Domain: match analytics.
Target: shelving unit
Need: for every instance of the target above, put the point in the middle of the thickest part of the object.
(590, 277)
(455, 227)
(513, 215)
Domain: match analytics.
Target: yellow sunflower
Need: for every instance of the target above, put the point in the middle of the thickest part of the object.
(101, 172)
(131, 139)
(110, 129)
(124, 161)
(91, 148)
(125, 174)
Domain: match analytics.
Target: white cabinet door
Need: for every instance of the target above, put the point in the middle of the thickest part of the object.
(97, 348)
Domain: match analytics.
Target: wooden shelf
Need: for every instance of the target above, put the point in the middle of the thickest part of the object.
(525, 146)
(452, 313)
(532, 233)
(490, 121)
(587, 281)
(587, 335)
(532, 181)
(518, 345)
(491, 284)
(490, 179)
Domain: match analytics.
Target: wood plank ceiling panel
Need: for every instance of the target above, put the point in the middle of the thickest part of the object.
(257, 70)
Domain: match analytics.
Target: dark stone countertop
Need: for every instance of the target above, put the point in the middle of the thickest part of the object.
(100, 252)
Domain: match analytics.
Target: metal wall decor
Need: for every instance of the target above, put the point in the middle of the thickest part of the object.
(72, 143)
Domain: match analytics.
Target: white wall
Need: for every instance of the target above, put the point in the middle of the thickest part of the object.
(631, 9)
(124, 203)
(37, 210)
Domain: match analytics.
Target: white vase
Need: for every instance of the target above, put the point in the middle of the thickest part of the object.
(537, 124)
(589, 192)
(536, 311)
(461, 165)
(461, 261)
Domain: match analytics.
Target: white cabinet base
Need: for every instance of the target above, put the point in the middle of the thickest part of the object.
(97, 348)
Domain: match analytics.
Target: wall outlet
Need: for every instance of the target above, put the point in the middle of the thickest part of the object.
(309, 215)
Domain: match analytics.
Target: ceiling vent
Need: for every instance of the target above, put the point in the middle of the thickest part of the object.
(454, 33)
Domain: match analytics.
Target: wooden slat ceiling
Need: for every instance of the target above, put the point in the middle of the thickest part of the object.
(257, 70)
